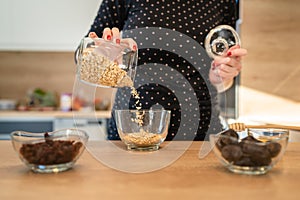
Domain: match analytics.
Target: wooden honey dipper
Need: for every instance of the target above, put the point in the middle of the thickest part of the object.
(241, 126)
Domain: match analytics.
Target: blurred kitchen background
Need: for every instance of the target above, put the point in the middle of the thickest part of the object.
(38, 38)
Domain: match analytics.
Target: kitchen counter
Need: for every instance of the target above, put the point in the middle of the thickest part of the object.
(53, 114)
(42, 121)
(187, 178)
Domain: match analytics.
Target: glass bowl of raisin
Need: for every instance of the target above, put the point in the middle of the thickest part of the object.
(49, 152)
(253, 152)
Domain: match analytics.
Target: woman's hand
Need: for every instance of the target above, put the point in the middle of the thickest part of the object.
(225, 68)
(114, 35)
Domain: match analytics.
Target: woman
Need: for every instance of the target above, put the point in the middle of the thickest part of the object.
(193, 19)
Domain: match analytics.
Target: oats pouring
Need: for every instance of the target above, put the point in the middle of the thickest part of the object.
(106, 64)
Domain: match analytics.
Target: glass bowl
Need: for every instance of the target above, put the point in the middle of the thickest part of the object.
(254, 152)
(49, 152)
(142, 129)
(104, 63)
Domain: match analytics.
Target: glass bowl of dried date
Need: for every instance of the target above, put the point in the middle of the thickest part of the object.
(105, 63)
(142, 130)
(49, 152)
(253, 151)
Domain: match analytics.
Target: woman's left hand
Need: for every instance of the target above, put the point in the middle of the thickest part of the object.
(225, 68)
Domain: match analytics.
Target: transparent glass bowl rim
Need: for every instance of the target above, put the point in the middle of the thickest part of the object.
(142, 110)
(19, 136)
(89, 39)
(284, 135)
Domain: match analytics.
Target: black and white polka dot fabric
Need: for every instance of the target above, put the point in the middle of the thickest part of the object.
(172, 70)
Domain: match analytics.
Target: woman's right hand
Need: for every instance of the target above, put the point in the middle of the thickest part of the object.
(114, 35)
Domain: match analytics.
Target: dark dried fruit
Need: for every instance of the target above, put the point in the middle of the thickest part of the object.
(231, 139)
(232, 152)
(50, 152)
(245, 161)
(261, 158)
(248, 152)
(274, 149)
(251, 147)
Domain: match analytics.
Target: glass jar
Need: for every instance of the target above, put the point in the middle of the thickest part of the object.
(220, 39)
(106, 64)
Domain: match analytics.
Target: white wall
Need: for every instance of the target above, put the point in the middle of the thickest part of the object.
(45, 25)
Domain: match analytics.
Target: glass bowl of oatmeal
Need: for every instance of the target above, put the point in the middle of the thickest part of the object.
(49, 152)
(104, 63)
(142, 130)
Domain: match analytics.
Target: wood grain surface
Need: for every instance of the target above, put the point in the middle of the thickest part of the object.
(186, 178)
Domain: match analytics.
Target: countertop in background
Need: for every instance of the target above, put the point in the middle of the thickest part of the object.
(53, 114)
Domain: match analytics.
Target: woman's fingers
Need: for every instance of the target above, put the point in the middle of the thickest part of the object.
(227, 67)
(107, 34)
(236, 52)
(112, 34)
(221, 60)
(225, 72)
(130, 42)
(93, 35)
(116, 35)
(233, 58)
(228, 71)
(236, 63)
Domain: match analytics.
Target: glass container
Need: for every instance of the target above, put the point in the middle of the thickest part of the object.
(142, 129)
(106, 64)
(49, 152)
(253, 153)
(220, 39)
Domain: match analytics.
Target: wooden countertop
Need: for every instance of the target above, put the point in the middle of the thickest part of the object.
(53, 114)
(187, 178)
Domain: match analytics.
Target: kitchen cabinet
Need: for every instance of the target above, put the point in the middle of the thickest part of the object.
(96, 128)
(34, 125)
(48, 25)
(93, 123)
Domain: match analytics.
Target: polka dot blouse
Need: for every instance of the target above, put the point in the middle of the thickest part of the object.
(165, 78)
